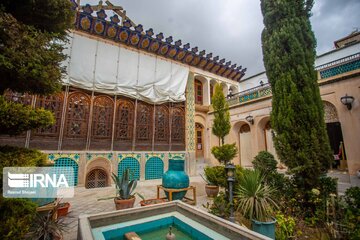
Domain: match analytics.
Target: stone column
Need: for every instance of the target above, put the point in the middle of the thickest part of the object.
(206, 90)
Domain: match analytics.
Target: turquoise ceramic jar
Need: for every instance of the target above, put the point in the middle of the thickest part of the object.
(176, 178)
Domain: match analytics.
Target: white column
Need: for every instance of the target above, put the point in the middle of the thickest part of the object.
(206, 92)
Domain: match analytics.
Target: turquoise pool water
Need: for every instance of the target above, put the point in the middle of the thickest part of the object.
(162, 232)
(156, 227)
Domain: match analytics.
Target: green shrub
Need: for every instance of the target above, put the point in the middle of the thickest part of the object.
(216, 175)
(352, 198)
(285, 227)
(352, 212)
(16, 217)
(327, 185)
(16, 118)
(20, 157)
(265, 162)
(220, 206)
(224, 153)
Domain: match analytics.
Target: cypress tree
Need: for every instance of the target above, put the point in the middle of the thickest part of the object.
(297, 116)
(221, 126)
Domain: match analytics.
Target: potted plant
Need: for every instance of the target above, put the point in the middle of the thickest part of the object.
(256, 203)
(151, 201)
(63, 209)
(124, 188)
(212, 177)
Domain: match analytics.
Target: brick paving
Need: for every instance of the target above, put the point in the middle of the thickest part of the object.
(86, 201)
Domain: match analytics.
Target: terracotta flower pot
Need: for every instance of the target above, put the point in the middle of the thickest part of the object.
(211, 190)
(63, 209)
(124, 203)
(152, 201)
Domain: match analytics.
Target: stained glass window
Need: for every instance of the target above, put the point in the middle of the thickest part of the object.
(161, 124)
(102, 118)
(124, 123)
(177, 125)
(77, 115)
(144, 122)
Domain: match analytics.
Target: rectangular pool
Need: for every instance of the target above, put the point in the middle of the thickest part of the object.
(152, 223)
(158, 226)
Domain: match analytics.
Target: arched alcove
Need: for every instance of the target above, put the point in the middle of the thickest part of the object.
(101, 176)
(96, 178)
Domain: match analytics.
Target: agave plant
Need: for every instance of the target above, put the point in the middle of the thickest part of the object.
(255, 197)
(124, 185)
(47, 227)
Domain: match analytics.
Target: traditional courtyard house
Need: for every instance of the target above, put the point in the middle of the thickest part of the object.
(339, 81)
(131, 99)
(134, 99)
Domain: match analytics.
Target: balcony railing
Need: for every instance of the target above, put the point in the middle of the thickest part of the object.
(339, 66)
(327, 70)
(250, 94)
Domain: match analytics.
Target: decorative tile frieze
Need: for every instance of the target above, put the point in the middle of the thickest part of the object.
(150, 155)
(91, 156)
(53, 156)
(122, 156)
(176, 155)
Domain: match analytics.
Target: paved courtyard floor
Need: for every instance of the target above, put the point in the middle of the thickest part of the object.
(86, 201)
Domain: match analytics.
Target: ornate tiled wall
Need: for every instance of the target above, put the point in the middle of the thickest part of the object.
(154, 165)
(145, 166)
(131, 161)
(343, 68)
(190, 114)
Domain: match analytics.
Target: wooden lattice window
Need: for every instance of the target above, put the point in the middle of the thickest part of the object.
(144, 123)
(53, 103)
(23, 98)
(124, 123)
(177, 125)
(97, 178)
(77, 115)
(198, 92)
(161, 124)
(102, 119)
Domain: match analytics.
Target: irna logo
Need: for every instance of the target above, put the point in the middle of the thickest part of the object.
(36, 180)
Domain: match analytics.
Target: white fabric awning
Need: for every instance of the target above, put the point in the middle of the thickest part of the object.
(114, 69)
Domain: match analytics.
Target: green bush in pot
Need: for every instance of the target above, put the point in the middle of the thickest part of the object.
(256, 202)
